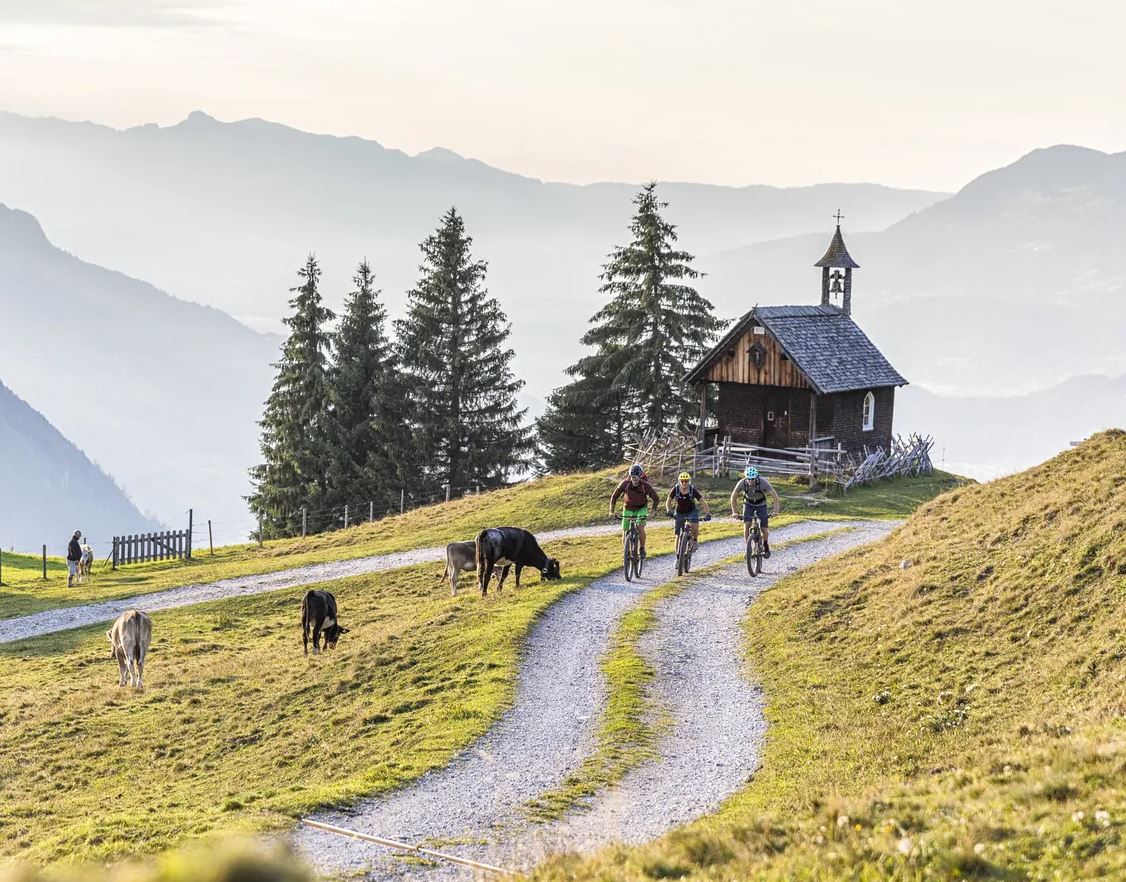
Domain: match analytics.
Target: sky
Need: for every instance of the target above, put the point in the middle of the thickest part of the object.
(905, 94)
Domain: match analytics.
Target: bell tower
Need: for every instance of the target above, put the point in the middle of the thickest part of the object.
(834, 282)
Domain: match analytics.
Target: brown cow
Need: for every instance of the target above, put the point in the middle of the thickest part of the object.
(129, 640)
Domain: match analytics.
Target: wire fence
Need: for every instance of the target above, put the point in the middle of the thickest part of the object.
(206, 535)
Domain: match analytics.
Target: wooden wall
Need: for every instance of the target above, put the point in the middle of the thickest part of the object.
(776, 370)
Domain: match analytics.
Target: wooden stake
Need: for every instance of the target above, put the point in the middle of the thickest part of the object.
(345, 515)
(303, 514)
(210, 538)
(402, 500)
(190, 534)
(45, 563)
(371, 511)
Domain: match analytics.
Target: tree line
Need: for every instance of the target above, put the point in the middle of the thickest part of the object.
(356, 414)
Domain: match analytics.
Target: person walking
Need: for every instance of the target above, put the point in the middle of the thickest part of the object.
(73, 556)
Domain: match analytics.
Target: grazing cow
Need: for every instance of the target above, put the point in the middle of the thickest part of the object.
(129, 640)
(461, 557)
(318, 611)
(506, 547)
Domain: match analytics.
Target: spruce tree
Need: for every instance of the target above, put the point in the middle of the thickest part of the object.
(653, 329)
(466, 417)
(369, 440)
(294, 439)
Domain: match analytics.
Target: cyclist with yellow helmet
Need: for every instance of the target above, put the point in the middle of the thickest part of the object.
(687, 499)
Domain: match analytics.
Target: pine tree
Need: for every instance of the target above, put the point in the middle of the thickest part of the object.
(652, 330)
(586, 422)
(294, 424)
(466, 417)
(369, 440)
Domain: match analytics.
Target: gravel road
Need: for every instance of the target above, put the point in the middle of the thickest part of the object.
(52, 620)
(472, 807)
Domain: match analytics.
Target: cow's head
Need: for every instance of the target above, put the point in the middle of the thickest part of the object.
(332, 634)
(551, 571)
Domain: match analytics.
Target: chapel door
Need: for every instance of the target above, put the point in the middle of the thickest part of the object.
(776, 428)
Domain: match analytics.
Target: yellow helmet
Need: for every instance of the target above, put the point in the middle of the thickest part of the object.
(684, 476)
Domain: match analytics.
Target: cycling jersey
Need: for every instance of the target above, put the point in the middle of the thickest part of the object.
(754, 490)
(636, 497)
(686, 502)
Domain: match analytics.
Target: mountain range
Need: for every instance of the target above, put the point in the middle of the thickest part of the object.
(998, 293)
(161, 392)
(223, 214)
(51, 488)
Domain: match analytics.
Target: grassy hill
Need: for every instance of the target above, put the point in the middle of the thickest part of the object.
(950, 703)
(233, 725)
(546, 504)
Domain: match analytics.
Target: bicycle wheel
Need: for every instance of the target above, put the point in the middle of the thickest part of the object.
(638, 560)
(758, 553)
(682, 553)
(627, 556)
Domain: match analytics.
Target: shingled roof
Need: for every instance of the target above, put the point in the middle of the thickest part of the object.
(837, 255)
(825, 344)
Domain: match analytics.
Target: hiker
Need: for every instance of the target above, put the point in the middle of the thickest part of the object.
(73, 556)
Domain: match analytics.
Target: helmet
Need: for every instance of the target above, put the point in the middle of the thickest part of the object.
(750, 472)
(636, 471)
(684, 476)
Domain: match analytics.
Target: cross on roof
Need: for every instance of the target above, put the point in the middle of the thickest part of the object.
(838, 216)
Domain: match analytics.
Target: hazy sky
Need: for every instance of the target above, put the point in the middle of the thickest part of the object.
(910, 94)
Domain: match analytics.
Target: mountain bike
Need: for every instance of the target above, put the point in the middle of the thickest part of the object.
(631, 550)
(754, 546)
(685, 546)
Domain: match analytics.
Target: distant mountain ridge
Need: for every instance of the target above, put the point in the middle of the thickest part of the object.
(49, 488)
(161, 392)
(1015, 283)
(223, 213)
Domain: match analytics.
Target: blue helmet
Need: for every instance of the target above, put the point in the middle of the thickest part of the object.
(636, 471)
(750, 472)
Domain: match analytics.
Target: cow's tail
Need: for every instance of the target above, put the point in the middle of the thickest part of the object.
(482, 561)
(446, 572)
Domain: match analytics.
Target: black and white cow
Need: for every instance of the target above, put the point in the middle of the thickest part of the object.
(318, 611)
(506, 547)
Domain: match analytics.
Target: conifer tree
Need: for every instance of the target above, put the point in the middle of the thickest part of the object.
(466, 417)
(654, 327)
(294, 439)
(368, 438)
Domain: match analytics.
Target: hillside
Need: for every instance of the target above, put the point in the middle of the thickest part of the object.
(946, 704)
(149, 386)
(1016, 282)
(223, 213)
(49, 487)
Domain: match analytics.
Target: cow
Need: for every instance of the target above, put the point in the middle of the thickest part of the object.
(506, 547)
(318, 611)
(461, 557)
(129, 640)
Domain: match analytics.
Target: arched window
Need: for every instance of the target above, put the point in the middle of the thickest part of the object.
(869, 412)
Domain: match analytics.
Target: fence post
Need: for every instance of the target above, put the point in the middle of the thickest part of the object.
(210, 539)
(303, 513)
(371, 511)
(402, 500)
(447, 493)
(345, 515)
(45, 563)
(259, 528)
(1, 566)
(190, 514)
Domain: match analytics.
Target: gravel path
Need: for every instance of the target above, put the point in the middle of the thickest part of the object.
(473, 806)
(52, 620)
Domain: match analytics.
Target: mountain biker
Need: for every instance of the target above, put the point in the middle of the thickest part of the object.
(754, 488)
(637, 492)
(686, 497)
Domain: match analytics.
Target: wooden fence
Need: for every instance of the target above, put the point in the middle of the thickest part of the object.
(823, 462)
(141, 547)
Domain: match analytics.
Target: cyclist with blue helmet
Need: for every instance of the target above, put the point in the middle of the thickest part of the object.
(755, 489)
